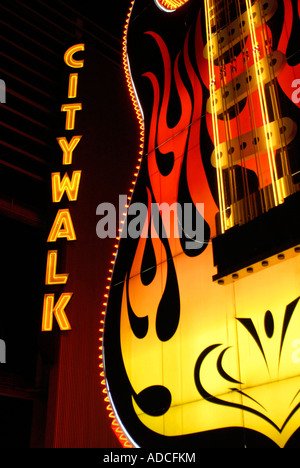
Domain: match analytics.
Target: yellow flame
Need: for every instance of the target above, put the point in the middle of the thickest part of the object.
(172, 4)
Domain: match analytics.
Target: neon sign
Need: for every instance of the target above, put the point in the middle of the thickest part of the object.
(201, 347)
(62, 227)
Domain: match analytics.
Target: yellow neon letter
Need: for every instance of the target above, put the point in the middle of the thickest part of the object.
(65, 185)
(69, 59)
(70, 109)
(51, 276)
(73, 82)
(57, 309)
(68, 148)
(62, 227)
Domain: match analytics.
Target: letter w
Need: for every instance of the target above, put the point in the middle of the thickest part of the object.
(59, 186)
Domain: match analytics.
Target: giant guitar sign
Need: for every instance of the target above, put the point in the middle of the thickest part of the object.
(201, 341)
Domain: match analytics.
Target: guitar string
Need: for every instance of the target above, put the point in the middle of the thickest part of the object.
(278, 113)
(250, 203)
(212, 89)
(251, 208)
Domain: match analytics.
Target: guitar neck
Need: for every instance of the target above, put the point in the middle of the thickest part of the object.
(243, 69)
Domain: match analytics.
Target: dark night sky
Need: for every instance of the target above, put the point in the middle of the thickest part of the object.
(109, 15)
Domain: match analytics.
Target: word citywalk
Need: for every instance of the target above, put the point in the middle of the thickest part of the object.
(62, 227)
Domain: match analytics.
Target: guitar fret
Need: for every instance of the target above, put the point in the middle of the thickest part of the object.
(246, 146)
(236, 90)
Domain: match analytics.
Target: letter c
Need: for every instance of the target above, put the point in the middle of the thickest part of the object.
(69, 59)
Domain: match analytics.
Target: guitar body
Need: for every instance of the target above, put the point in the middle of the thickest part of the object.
(202, 333)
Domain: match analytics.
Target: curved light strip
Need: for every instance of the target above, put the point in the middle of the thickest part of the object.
(124, 438)
(116, 424)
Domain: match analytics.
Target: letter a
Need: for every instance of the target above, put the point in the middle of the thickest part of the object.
(62, 227)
